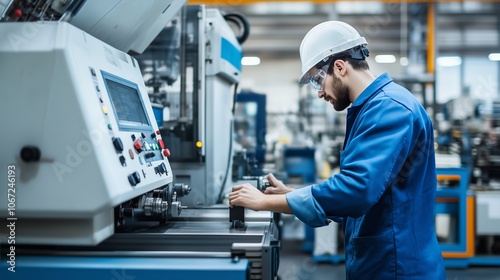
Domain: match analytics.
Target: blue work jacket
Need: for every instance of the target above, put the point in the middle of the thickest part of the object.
(385, 191)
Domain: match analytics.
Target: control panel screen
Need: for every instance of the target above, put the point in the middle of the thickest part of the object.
(128, 106)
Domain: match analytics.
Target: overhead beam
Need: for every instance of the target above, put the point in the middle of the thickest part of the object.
(247, 2)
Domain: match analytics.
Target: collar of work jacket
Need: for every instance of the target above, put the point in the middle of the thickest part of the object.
(372, 89)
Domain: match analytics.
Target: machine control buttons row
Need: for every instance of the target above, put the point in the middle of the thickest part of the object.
(152, 146)
(162, 168)
(134, 178)
(98, 92)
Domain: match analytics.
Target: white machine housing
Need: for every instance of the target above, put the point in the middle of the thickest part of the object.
(72, 95)
(127, 25)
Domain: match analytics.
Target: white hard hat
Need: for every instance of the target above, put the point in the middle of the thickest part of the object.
(324, 40)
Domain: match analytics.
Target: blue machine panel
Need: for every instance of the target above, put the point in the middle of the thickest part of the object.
(230, 53)
(124, 268)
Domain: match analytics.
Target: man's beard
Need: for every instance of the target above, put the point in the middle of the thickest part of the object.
(341, 93)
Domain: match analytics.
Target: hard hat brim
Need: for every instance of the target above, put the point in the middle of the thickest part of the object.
(304, 79)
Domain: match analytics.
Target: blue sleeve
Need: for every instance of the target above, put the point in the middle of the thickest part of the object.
(306, 208)
(373, 157)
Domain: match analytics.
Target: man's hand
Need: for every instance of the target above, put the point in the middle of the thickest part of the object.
(276, 187)
(250, 197)
(247, 196)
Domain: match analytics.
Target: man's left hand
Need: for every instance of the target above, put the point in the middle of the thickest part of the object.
(247, 196)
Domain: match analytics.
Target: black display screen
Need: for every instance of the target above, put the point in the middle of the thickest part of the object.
(127, 104)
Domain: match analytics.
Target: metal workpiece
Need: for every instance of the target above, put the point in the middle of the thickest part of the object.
(237, 217)
(260, 182)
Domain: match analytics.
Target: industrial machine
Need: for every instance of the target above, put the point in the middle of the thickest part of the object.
(92, 191)
(199, 126)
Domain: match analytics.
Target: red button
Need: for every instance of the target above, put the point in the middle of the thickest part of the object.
(18, 13)
(162, 145)
(138, 145)
(166, 152)
(157, 132)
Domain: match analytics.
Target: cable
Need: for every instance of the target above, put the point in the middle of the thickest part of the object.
(242, 23)
(221, 193)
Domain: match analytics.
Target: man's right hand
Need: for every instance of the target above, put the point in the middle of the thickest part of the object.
(276, 186)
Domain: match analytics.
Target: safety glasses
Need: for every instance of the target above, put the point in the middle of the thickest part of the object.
(318, 79)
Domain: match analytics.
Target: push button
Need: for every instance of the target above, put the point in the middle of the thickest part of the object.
(131, 180)
(137, 177)
(149, 154)
(122, 161)
(117, 143)
(166, 152)
(138, 145)
(162, 145)
(162, 168)
(134, 178)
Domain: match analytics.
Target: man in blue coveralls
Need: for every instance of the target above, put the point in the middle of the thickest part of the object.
(384, 194)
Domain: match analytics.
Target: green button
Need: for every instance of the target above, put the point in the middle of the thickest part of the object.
(109, 126)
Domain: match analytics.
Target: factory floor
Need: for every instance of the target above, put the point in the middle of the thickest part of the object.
(297, 265)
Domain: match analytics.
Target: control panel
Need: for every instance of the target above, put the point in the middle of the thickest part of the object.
(86, 140)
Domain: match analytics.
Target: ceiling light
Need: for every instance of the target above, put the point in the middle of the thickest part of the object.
(494, 56)
(250, 60)
(449, 61)
(385, 58)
